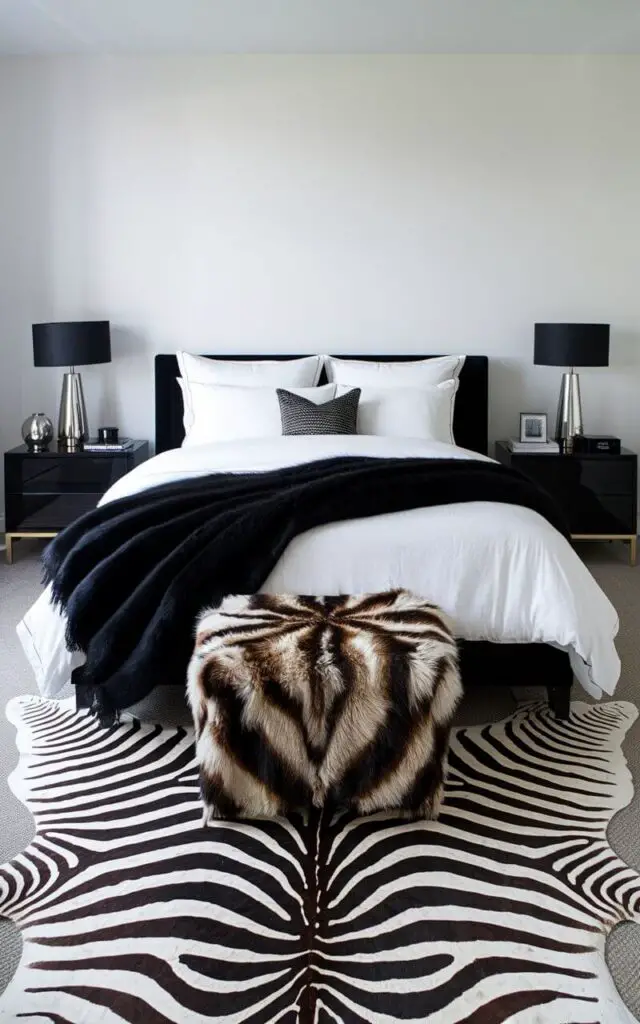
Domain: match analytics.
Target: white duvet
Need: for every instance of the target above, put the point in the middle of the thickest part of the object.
(501, 572)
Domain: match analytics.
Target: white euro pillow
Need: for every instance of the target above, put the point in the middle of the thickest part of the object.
(254, 373)
(413, 374)
(229, 413)
(425, 412)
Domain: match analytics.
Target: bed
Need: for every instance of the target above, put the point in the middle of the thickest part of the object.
(569, 628)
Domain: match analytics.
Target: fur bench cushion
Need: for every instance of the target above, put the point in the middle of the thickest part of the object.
(338, 701)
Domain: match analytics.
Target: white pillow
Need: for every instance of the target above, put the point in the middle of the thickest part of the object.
(412, 374)
(260, 373)
(227, 413)
(407, 412)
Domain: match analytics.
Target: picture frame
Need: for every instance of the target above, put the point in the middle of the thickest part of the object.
(533, 427)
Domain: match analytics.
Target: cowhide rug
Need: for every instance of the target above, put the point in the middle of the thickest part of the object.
(499, 911)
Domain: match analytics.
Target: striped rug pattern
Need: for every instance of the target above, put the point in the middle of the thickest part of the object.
(499, 911)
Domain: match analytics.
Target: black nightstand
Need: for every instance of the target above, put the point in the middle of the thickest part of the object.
(45, 491)
(599, 493)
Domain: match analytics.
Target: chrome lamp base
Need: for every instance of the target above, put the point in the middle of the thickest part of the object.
(72, 422)
(569, 421)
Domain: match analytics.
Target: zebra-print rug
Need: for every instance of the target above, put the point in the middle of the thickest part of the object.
(499, 911)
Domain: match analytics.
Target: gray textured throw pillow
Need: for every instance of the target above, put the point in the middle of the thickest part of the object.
(300, 416)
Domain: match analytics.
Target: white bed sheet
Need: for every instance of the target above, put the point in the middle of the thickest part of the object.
(501, 572)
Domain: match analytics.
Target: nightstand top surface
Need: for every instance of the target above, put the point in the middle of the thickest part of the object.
(504, 445)
(56, 453)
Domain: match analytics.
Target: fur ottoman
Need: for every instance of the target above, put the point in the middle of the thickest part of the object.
(312, 701)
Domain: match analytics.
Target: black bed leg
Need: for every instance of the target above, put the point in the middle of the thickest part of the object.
(89, 697)
(84, 693)
(559, 700)
(84, 697)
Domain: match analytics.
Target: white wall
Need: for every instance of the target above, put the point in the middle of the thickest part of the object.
(365, 204)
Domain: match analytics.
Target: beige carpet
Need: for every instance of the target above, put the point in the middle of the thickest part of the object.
(19, 586)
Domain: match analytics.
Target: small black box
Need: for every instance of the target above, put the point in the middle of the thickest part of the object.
(596, 444)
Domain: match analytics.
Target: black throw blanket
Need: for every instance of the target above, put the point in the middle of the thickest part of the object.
(133, 574)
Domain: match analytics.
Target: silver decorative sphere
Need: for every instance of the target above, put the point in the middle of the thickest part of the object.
(37, 432)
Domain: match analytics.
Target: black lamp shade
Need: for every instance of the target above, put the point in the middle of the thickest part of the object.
(74, 343)
(571, 345)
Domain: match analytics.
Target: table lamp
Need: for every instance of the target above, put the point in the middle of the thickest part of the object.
(570, 345)
(73, 343)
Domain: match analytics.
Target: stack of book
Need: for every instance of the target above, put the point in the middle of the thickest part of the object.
(533, 447)
(110, 446)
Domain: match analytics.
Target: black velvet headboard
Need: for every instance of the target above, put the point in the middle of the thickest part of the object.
(469, 422)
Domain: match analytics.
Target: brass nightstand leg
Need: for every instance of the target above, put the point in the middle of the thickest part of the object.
(8, 539)
(633, 550)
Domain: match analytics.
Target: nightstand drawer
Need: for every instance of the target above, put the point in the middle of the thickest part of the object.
(608, 477)
(590, 514)
(544, 470)
(43, 475)
(34, 513)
